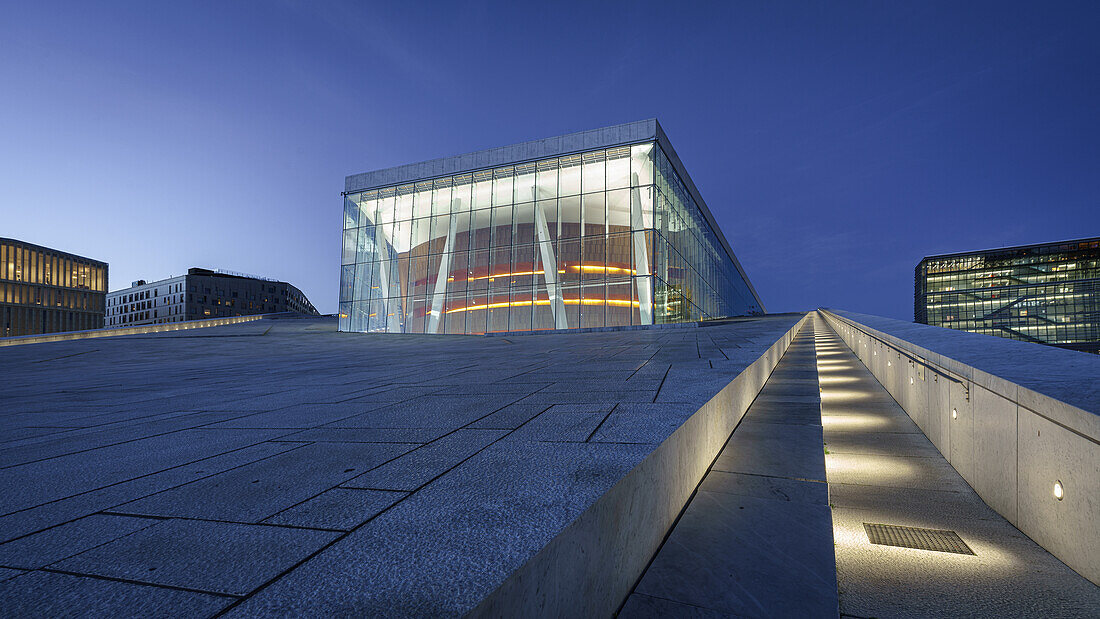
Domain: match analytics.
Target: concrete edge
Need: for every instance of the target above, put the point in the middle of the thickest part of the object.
(592, 565)
(93, 333)
(1071, 417)
(997, 442)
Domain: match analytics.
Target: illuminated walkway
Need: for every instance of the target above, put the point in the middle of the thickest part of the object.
(755, 540)
(882, 470)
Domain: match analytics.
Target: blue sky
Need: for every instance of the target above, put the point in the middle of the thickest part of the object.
(837, 143)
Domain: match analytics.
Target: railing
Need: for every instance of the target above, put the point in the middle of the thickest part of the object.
(162, 328)
(1033, 458)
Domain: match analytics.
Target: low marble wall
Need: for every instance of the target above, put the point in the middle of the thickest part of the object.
(591, 566)
(1012, 444)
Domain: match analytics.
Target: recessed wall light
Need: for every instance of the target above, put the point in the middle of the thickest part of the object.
(954, 414)
(1059, 491)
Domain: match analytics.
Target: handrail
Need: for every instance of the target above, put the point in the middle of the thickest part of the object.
(934, 367)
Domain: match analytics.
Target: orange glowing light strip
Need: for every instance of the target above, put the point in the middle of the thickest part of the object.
(516, 274)
(599, 268)
(503, 304)
(586, 268)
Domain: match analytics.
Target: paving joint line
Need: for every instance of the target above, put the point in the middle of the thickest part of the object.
(124, 481)
(137, 582)
(372, 518)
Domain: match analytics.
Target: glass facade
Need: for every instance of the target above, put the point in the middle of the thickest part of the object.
(606, 237)
(1048, 294)
(47, 291)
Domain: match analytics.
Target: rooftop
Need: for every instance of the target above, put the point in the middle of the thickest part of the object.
(54, 250)
(1056, 246)
(1057, 373)
(374, 474)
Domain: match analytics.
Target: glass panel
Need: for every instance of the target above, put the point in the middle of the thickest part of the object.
(633, 248)
(460, 194)
(521, 309)
(593, 305)
(594, 259)
(641, 208)
(619, 264)
(593, 175)
(364, 274)
(455, 315)
(422, 201)
(618, 168)
(569, 176)
(524, 190)
(483, 190)
(476, 313)
(523, 223)
(549, 210)
(569, 261)
(542, 317)
(502, 226)
(569, 224)
(478, 279)
(441, 200)
(421, 234)
(347, 282)
(404, 209)
(526, 268)
(351, 214)
(547, 179)
(594, 213)
(618, 210)
(348, 256)
(481, 229)
(641, 164)
(401, 236)
(502, 186)
(619, 303)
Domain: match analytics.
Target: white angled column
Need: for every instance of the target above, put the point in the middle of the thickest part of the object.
(393, 320)
(643, 283)
(549, 266)
(445, 260)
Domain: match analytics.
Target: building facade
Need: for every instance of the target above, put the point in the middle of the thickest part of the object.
(595, 229)
(1048, 293)
(44, 290)
(202, 293)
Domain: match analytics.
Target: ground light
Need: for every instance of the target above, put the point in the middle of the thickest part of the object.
(954, 414)
(1059, 492)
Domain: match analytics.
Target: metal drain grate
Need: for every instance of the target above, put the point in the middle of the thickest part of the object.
(912, 537)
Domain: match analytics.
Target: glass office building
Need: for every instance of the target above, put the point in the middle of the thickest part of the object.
(1048, 294)
(43, 290)
(595, 229)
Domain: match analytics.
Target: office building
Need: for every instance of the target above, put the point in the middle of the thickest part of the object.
(202, 293)
(44, 290)
(1047, 293)
(596, 229)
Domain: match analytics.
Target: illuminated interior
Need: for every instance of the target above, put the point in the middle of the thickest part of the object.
(603, 238)
(48, 291)
(1049, 294)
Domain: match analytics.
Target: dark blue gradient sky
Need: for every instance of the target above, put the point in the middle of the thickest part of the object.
(837, 143)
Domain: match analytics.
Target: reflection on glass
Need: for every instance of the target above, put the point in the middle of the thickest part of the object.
(599, 239)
